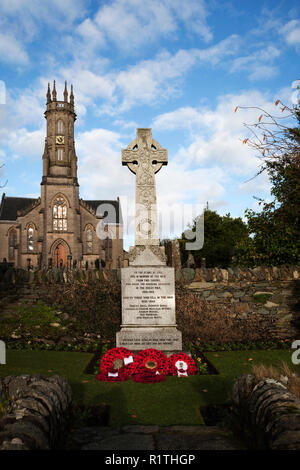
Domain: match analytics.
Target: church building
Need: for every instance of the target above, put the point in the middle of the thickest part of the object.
(58, 228)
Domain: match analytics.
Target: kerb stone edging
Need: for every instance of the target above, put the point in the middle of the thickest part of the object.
(266, 413)
(37, 413)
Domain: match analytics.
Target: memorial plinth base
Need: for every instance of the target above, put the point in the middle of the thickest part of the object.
(167, 339)
(148, 309)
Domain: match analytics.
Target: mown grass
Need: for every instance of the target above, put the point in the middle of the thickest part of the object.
(176, 401)
(235, 363)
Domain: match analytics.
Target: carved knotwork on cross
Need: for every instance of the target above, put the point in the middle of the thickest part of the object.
(145, 157)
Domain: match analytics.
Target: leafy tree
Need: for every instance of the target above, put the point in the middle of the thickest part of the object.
(221, 234)
(275, 229)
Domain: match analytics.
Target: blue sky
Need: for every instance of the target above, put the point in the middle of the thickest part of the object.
(177, 66)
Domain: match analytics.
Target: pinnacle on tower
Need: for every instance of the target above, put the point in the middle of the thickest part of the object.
(65, 92)
(71, 95)
(48, 95)
(54, 92)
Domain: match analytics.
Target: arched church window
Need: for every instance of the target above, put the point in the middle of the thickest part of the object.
(60, 215)
(60, 126)
(12, 241)
(60, 154)
(30, 239)
(89, 240)
(108, 248)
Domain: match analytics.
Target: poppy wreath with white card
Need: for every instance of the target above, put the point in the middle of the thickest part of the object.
(116, 365)
(151, 366)
(182, 365)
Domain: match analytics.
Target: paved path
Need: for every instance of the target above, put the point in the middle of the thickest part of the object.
(153, 438)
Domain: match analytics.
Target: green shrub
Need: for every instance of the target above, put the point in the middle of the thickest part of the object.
(261, 298)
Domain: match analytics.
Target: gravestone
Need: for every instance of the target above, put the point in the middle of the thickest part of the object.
(2, 352)
(176, 256)
(190, 261)
(148, 285)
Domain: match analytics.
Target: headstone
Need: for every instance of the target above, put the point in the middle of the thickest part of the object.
(2, 352)
(190, 261)
(148, 285)
(176, 256)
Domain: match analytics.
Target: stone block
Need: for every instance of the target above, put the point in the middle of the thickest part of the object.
(199, 275)
(201, 285)
(269, 304)
(188, 274)
(226, 295)
(212, 297)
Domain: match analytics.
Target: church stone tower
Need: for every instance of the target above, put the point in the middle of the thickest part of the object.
(59, 186)
(59, 228)
(59, 157)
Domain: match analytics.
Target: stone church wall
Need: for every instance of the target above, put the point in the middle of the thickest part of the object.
(4, 228)
(32, 217)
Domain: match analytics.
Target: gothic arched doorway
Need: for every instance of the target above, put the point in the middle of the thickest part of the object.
(60, 256)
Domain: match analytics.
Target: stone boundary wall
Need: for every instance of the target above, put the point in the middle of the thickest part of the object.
(36, 416)
(184, 275)
(238, 274)
(266, 413)
(270, 295)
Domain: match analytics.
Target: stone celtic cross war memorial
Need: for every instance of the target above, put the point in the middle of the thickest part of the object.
(148, 285)
(145, 157)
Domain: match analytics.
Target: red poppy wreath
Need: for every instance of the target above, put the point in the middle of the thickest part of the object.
(116, 365)
(151, 366)
(182, 365)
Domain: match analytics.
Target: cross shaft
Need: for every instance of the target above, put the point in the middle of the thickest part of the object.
(145, 157)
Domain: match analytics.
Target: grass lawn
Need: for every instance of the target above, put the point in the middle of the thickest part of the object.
(175, 401)
(235, 363)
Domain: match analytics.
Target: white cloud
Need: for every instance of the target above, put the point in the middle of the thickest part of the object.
(30, 15)
(182, 118)
(21, 22)
(23, 143)
(99, 163)
(258, 65)
(132, 24)
(23, 109)
(26, 107)
(12, 50)
(256, 185)
(88, 83)
(90, 33)
(141, 22)
(143, 83)
(194, 16)
(291, 32)
(156, 79)
(216, 135)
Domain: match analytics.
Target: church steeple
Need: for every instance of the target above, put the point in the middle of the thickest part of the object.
(71, 96)
(59, 158)
(48, 94)
(66, 92)
(54, 92)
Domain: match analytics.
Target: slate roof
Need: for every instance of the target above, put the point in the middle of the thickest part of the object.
(112, 216)
(10, 205)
